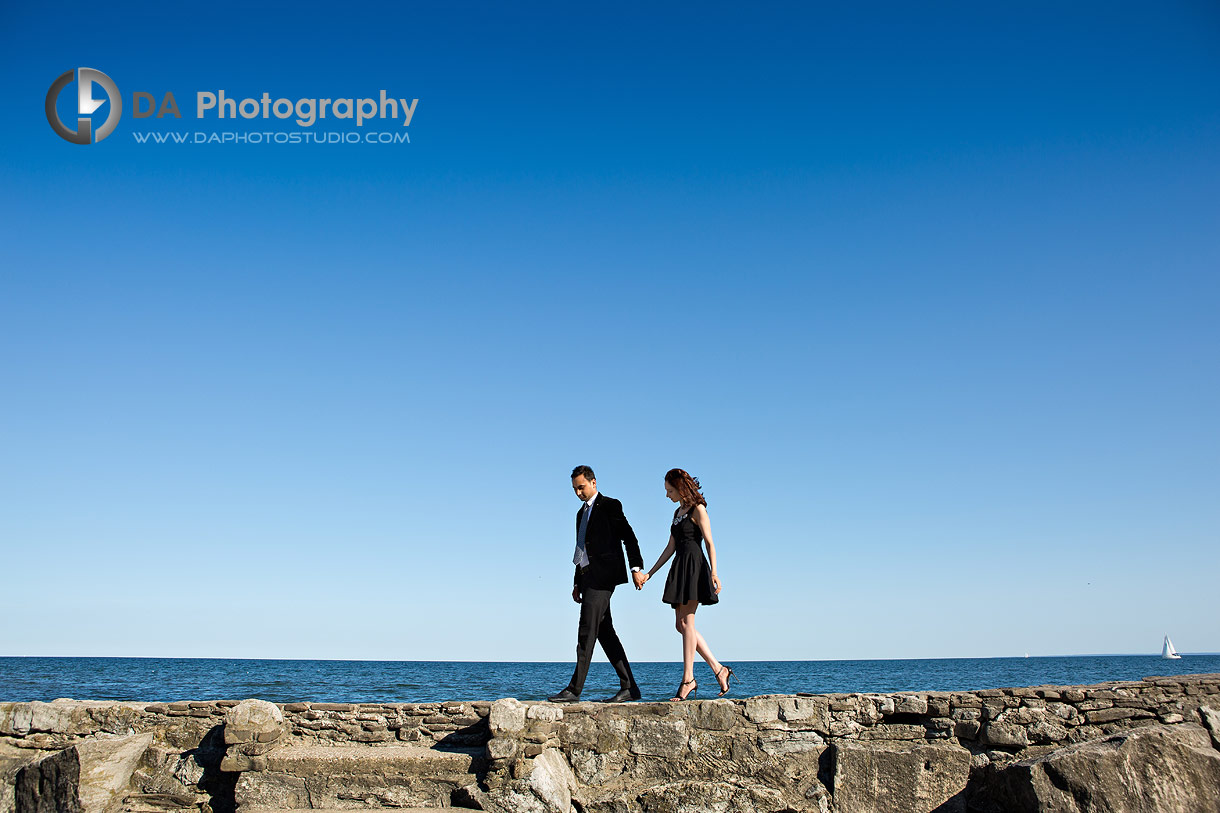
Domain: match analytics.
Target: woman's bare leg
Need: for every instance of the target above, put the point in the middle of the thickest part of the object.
(706, 653)
(684, 622)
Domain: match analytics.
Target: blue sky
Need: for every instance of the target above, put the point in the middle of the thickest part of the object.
(927, 298)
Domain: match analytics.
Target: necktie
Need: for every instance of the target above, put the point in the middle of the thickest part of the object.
(580, 556)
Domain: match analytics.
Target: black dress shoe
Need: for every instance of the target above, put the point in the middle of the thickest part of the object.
(566, 696)
(624, 695)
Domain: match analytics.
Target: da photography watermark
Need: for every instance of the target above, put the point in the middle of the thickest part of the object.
(297, 118)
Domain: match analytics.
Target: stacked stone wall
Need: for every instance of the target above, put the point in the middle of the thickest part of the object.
(38, 725)
(907, 751)
(845, 752)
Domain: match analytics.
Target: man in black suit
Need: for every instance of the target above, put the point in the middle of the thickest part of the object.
(601, 533)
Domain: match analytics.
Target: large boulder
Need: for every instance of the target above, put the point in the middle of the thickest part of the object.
(12, 760)
(92, 776)
(62, 717)
(252, 728)
(506, 718)
(1211, 721)
(552, 781)
(76, 718)
(544, 784)
(15, 719)
(880, 777)
(253, 721)
(1144, 770)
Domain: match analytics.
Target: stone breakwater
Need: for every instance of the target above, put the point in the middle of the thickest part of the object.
(1146, 745)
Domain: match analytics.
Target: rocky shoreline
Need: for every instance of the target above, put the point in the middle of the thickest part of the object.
(1139, 746)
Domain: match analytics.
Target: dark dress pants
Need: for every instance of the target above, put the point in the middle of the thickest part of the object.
(596, 625)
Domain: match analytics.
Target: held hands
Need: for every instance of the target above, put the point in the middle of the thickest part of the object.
(639, 577)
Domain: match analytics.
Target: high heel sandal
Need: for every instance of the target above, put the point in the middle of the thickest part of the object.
(728, 679)
(689, 695)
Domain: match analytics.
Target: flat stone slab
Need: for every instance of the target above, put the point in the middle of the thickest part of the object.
(305, 760)
(402, 777)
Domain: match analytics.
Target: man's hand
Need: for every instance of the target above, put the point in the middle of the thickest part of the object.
(576, 594)
(639, 577)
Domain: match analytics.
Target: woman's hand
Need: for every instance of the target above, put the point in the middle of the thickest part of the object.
(716, 583)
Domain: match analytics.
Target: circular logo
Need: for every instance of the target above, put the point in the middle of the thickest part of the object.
(86, 78)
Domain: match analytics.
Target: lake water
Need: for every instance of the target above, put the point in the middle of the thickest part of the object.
(281, 681)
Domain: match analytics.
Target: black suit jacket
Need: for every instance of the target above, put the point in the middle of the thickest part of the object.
(607, 534)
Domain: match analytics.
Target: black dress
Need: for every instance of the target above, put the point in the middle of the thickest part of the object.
(690, 576)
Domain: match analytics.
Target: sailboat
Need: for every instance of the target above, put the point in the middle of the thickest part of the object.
(1169, 653)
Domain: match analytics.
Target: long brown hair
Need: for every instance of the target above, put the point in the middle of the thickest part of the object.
(686, 486)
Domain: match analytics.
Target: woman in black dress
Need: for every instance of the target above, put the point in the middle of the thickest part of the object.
(692, 579)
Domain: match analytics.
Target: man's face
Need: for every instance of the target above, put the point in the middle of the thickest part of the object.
(584, 487)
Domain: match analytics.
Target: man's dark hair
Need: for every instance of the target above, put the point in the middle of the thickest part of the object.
(583, 471)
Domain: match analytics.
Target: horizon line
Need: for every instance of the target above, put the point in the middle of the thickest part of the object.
(568, 661)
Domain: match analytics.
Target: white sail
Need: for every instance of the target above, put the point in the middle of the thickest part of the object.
(1168, 652)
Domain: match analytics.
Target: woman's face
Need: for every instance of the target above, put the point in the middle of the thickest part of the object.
(672, 492)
